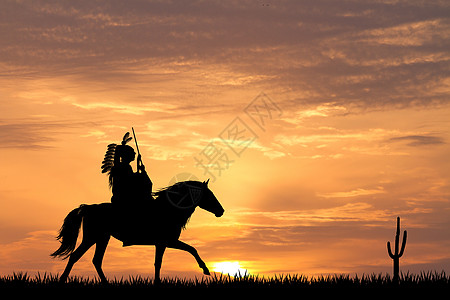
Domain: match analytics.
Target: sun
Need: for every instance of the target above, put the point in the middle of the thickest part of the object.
(232, 268)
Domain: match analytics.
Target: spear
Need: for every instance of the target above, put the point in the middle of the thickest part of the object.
(137, 148)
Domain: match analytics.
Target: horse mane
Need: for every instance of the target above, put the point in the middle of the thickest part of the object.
(161, 191)
(161, 197)
(179, 184)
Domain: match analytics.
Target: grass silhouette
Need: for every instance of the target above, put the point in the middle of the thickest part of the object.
(217, 280)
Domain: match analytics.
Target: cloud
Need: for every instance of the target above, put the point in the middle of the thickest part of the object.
(94, 133)
(355, 212)
(127, 108)
(372, 54)
(410, 34)
(419, 140)
(29, 254)
(37, 135)
(326, 135)
(353, 193)
(322, 110)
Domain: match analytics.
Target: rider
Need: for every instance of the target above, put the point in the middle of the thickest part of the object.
(130, 190)
(128, 187)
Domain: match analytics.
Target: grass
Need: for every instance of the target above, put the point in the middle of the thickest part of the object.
(219, 281)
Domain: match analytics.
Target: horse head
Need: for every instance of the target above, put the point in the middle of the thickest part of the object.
(209, 202)
(187, 195)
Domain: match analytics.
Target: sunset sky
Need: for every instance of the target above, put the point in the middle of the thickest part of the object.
(317, 122)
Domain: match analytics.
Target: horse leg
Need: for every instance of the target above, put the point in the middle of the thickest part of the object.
(100, 249)
(185, 247)
(158, 261)
(74, 257)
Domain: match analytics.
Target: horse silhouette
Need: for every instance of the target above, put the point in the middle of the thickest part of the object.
(159, 222)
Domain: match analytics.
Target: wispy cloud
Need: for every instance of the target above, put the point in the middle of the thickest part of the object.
(127, 108)
(353, 193)
(410, 34)
(419, 140)
(34, 135)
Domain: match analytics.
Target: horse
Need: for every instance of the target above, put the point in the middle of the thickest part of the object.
(159, 222)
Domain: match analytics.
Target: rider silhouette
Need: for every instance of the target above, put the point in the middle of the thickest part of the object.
(131, 191)
(129, 188)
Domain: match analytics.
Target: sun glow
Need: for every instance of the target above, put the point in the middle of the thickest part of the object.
(232, 268)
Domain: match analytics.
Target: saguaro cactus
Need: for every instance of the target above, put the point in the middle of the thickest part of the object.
(396, 256)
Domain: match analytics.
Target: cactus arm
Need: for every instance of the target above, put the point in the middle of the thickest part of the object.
(389, 250)
(403, 244)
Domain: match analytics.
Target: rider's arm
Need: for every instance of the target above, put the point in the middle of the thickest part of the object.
(140, 165)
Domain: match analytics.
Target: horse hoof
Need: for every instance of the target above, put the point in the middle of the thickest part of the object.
(206, 271)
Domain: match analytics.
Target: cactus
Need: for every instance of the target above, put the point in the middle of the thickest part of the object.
(396, 256)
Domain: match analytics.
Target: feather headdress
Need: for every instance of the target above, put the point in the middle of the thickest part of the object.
(110, 156)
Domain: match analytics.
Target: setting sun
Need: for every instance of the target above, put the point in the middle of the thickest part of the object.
(232, 268)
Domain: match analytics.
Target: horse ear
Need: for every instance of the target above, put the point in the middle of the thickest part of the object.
(206, 182)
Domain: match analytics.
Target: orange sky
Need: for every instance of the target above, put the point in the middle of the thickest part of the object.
(358, 133)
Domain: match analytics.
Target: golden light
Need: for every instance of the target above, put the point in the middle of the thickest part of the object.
(232, 268)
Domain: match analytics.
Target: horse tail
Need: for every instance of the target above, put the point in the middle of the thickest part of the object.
(68, 233)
